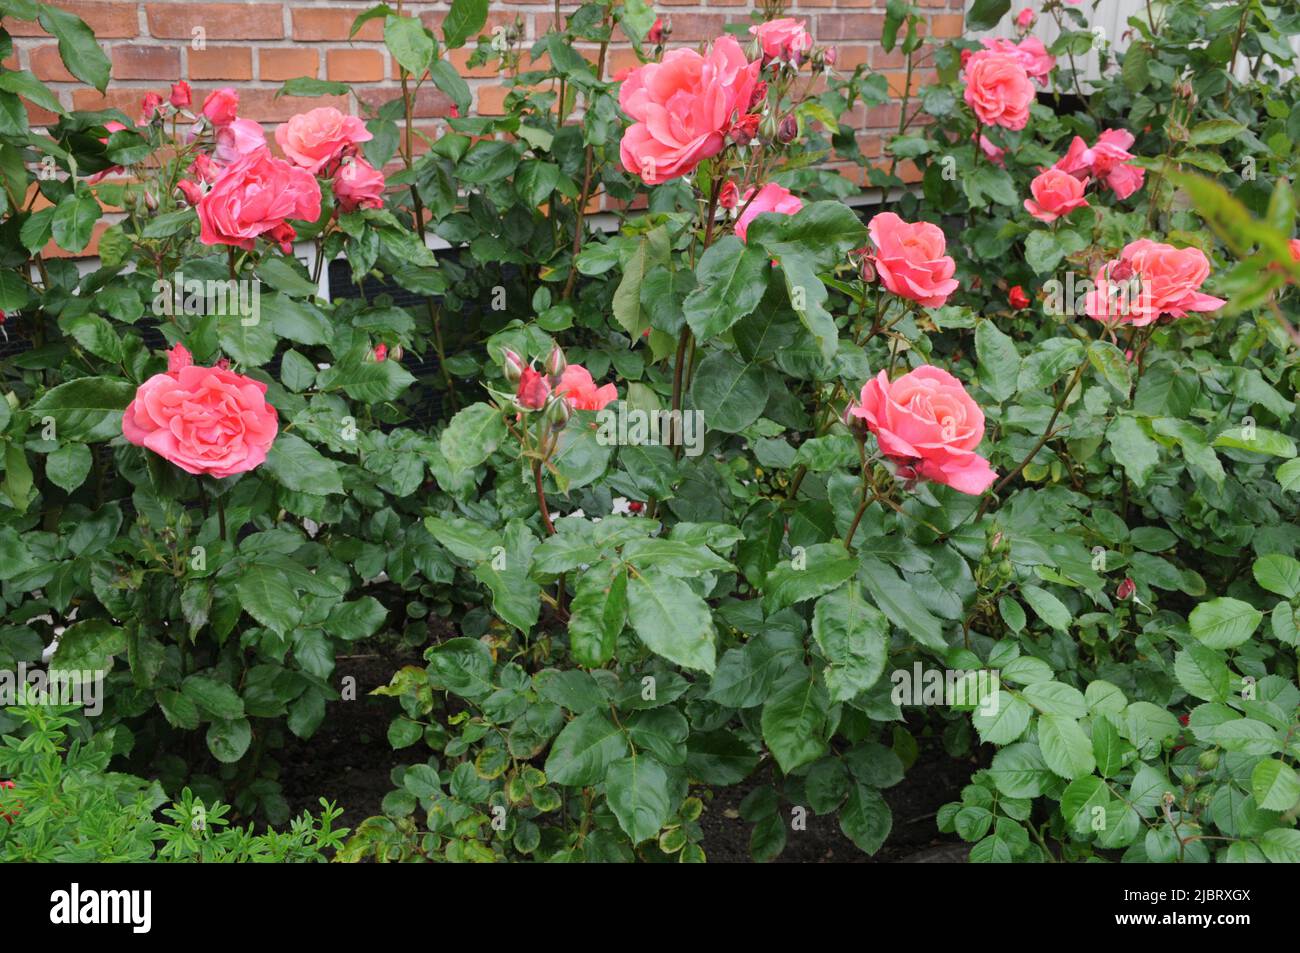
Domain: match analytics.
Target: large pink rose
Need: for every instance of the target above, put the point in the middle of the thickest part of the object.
(1150, 279)
(358, 184)
(770, 198)
(927, 421)
(206, 420)
(580, 390)
(1030, 52)
(1107, 160)
(682, 109)
(998, 89)
(783, 39)
(1056, 193)
(221, 106)
(319, 136)
(911, 259)
(237, 139)
(254, 196)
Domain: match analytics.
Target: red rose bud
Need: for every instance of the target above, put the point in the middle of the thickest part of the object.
(828, 55)
(729, 197)
(635, 506)
(1125, 590)
(744, 129)
(1017, 297)
(533, 390)
(555, 362)
(863, 260)
(1184, 719)
(150, 106)
(759, 94)
(788, 130)
(512, 365)
(381, 352)
(180, 96)
(658, 31)
(190, 190)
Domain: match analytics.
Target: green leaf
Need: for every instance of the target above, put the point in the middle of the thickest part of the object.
(1080, 798)
(465, 19)
(794, 722)
(68, 466)
(999, 360)
(899, 601)
(359, 619)
(89, 646)
(472, 436)
(1049, 608)
(1281, 845)
(1279, 574)
(1111, 364)
(410, 43)
(1136, 452)
(729, 392)
(854, 636)
(74, 221)
(1066, 749)
(516, 599)
(462, 666)
(809, 573)
(265, 594)
(1275, 785)
(1215, 131)
(866, 819)
(297, 465)
(808, 298)
(87, 409)
(444, 76)
(286, 275)
(730, 284)
(672, 620)
(213, 698)
(1262, 440)
(229, 740)
(1202, 673)
(637, 788)
(1224, 623)
(597, 614)
(584, 750)
(985, 14)
(1005, 723)
(77, 47)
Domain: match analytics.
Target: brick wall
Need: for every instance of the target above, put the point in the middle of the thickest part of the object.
(256, 45)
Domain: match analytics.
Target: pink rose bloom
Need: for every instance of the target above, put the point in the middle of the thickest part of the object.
(926, 420)
(783, 39)
(221, 106)
(910, 259)
(1025, 18)
(682, 108)
(149, 107)
(192, 191)
(1030, 53)
(236, 139)
(1150, 279)
(580, 390)
(770, 198)
(358, 184)
(206, 420)
(995, 154)
(254, 196)
(1056, 193)
(1106, 160)
(319, 136)
(998, 89)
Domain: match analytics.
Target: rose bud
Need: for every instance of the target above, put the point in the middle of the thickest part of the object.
(828, 56)
(635, 506)
(150, 106)
(1017, 297)
(729, 197)
(1025, 18)
(555, 362)
(191, 190)
(558, 413)
(658, 32)
(1125, 590)
(395, 352)
(533, 390)
(180, 96)
(512, 365)
(788, 130)
(381, 352)
(759, 94)
(744, 129)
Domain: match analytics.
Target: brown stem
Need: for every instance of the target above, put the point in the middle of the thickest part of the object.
(541, 498)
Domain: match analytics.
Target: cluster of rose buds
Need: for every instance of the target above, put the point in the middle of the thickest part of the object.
(534, 389)
(13, 812)
(153, 108)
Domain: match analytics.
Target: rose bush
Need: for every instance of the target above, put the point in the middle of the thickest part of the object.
(711, 486)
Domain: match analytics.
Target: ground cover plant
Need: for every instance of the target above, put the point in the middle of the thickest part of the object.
(763, 489)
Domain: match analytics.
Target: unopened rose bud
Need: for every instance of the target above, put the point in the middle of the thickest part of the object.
(1208, 761)
(555, 362)
(788, 130)
(381, 352)
(395, 352)
(558, 413)
(1125, 590)
(533, 390)
(150, 202)
(180, 95)
(512, 365)
(729, 197)
(759, 94)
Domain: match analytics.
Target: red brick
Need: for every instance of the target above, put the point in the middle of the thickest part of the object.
(117, 97)
(220, 21)
(221, 62)
(490, 101)
(109, 21)
(460, 59)
(264, 106)
(48, 66)
(330, 24)
(430, 103)
(849, 26)
(279, 65)
(131, 61)
(946, 24)
(354, 66)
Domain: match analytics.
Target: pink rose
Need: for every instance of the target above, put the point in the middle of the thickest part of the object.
(206, 420)
(1056, 193)
(770, 198)
(1150, 279)
(998, 89)
(682, 108)
(1025, 18)
(995, 154)
(236, 139)
(221, 106)
(533, 390)
(1030, 53)
(911, 261)
(580, 390)
(926, 420)
(358, 184)
(254, 196)
(319, 136)
(1107, 161)
(1294, 245)
(784, 39)
(149, 107)
(180, 95)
